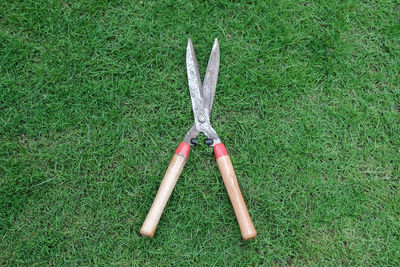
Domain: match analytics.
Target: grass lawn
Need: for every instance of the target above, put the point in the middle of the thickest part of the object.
(94, 100)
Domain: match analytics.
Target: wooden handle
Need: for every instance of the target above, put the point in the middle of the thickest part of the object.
(164, 191)
(228, 175)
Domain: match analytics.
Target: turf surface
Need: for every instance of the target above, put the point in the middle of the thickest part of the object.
(94, 100)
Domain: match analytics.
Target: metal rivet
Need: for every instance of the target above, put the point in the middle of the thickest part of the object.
(202, 119)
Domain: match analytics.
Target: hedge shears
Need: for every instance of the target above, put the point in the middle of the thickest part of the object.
(202, 100)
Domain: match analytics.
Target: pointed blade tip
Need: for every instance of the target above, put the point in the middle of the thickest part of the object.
(190, 42)
(216, 44)
(189, 48)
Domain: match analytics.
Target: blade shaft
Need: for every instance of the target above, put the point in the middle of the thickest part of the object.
(195, 86)
(211, 77)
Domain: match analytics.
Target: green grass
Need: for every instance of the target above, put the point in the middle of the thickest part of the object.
(94, 100)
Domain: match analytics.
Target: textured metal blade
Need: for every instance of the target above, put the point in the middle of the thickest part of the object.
(194, 80)
(192, 133)
(211, 77)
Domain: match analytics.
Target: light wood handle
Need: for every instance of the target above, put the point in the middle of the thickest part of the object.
(164, 192)
(228, 175)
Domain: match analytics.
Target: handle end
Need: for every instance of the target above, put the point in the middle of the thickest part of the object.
(147, 232)
(250, 235)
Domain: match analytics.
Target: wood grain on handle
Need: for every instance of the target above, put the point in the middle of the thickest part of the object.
(228, 175)
(164, 191)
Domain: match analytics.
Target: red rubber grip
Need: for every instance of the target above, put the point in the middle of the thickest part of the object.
(183, 150)
(220, 150)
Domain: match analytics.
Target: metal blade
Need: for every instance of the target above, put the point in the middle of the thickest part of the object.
(195, 84)
(192, 133)
(211, 77)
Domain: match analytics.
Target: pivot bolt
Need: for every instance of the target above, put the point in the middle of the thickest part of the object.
(202, 118)
(194, 141)
(209, 142)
